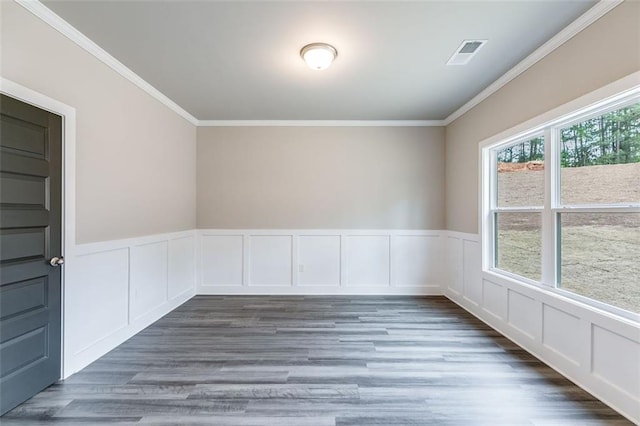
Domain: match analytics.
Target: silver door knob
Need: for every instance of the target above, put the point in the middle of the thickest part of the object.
(56, 261)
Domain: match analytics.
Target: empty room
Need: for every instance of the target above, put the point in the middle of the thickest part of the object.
(320, 213)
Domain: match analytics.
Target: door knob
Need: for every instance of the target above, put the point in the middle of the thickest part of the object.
(56, 261)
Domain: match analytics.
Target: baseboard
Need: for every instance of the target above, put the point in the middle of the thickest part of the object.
(425, 290)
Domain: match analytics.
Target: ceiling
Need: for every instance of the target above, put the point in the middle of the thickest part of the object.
(239, 60)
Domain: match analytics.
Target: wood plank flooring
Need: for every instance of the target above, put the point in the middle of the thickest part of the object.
(325, 361)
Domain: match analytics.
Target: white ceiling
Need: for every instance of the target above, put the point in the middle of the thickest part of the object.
(239, 60)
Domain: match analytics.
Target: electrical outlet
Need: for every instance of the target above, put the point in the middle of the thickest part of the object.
(300, 268)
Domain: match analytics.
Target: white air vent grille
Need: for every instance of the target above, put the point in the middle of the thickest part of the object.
(465, 52)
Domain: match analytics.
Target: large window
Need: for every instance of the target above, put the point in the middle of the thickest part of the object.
(564, 205)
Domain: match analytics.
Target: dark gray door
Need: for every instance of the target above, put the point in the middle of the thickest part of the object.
(30, 236)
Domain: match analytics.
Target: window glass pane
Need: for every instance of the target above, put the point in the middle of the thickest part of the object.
(600, 257)
(521, 174)
(518, 243)
(600, 159)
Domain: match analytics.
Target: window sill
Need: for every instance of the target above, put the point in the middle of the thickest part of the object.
(564, 296)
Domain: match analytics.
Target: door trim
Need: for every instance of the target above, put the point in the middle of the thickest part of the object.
(68, 114)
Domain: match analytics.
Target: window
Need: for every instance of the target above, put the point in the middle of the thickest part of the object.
(564, 205)
(519, 205)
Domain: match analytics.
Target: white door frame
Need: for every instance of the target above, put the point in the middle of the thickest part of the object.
(68, 114)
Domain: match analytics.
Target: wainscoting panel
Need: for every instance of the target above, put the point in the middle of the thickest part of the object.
(561, 333)
(149, 278)
(596, 350)
(368, 260)
(494, 299)
(319, 260)
(312, 261)
(606, 362)
(270, 260)
(471, 281)
(408, 272)
(182, 265)
(114, 289)
(101, 277)
(224, 256)
(454, 265)
(523, 314)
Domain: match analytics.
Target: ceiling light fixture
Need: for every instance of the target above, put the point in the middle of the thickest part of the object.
(318, 56)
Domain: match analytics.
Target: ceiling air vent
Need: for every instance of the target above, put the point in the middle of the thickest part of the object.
(465, 52)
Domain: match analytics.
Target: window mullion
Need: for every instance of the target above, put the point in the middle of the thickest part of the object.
(596, 209)
(490, 244)
(549, 246)
(533, 209)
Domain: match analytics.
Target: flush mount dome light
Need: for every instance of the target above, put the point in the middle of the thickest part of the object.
(318, 56)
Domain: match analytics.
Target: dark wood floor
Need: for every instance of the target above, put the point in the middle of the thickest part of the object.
(316, 361)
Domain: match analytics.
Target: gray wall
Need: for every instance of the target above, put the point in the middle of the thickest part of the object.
(606, 51)
(320, 177)
(136, 167)
(135, 157)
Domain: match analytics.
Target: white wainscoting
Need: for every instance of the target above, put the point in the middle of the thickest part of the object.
(320, 261)
(114, 289)
(596, 350)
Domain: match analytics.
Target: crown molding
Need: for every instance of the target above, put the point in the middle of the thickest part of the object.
(586, 19)
(62, 26)
(66, 29)
(320, 123)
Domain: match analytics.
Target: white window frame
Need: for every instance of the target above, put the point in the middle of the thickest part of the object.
(615, 96)
(495, 209)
